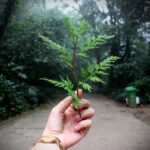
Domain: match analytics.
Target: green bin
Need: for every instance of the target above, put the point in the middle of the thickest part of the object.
(131, 95)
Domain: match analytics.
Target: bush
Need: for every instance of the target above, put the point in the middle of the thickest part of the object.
(16, 97)
(24, 59)
(143, 85)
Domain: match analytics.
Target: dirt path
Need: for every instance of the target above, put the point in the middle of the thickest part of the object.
(114, 128)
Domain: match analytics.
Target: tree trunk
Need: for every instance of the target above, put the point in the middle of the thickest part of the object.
(8, 9)
(127, 54)
(149, 48)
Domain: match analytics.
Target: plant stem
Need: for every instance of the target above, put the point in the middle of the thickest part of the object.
(74, 64)
(74, 69)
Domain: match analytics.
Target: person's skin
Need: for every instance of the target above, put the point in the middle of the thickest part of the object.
(67, 124)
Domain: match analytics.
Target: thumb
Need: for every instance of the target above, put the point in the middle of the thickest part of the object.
(63, 105)
(79, 93)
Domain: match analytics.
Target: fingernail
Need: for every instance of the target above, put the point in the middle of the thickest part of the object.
(77, 128)
(78, 118)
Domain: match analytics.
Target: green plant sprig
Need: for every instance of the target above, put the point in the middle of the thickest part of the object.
(92, 72)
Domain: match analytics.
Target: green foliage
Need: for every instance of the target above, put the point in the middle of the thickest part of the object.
(22, 62)
(67, 85)
(16, 97)
(64, 54)
(92, 72)
(143, 86)
(85, 86)
(132, 73)
(94, 42)
(74, 31)
(91, 44)
(24, 58)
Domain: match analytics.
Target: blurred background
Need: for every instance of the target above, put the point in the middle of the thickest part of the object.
(24, 58)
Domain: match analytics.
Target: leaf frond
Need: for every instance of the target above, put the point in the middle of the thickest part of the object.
(85, 86)
(94, 42)
(64, 53)
(67, 85)
(93, 70)
(83, 27)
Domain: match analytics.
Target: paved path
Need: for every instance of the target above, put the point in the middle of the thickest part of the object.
(114, 128)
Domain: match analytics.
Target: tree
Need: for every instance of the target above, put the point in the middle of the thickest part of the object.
(22, 61)
(7, 10)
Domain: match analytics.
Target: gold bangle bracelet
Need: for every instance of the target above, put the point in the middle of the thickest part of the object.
(49, 140)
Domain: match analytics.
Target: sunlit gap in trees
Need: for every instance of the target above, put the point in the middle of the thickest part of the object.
(67, 6)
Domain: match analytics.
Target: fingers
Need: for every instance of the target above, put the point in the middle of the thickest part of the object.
(84, 111)
(83, 104)
(70, 112)
(63, 105)
(85, 124)
(87, 113)
(79, 93)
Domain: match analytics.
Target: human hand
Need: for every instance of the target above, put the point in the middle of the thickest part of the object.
(68, 124)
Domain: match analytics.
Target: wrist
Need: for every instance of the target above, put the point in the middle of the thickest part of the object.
(50, 139)
(48, 133)
(43, 146)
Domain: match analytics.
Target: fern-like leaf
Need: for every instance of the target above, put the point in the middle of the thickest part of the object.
(74, 31)
(91, 72)
(83, 27)
(52, 44)
(85, 86)
(94, 42)
(82, 54)
(64, 53)
(107, 63)
(76, 100)
(70, 27)
(67, 85)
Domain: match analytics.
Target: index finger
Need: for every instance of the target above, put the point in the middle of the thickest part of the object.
(84, 104)
(63, 105)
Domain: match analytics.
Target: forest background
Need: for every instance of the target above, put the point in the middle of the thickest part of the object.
(24, 58)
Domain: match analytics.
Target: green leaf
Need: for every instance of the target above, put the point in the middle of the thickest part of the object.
(94, 42)
(64, 53)
(102, 73)
(90, 73)
(76, 100)
(84, 73)
(70, 27)
(74, 31)
(83, 27)
(86, 86)
(92, 70)
(95, 79)
(67, 85)
(52, 44)
(55, 82)
(107, 63)
(84, 55)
